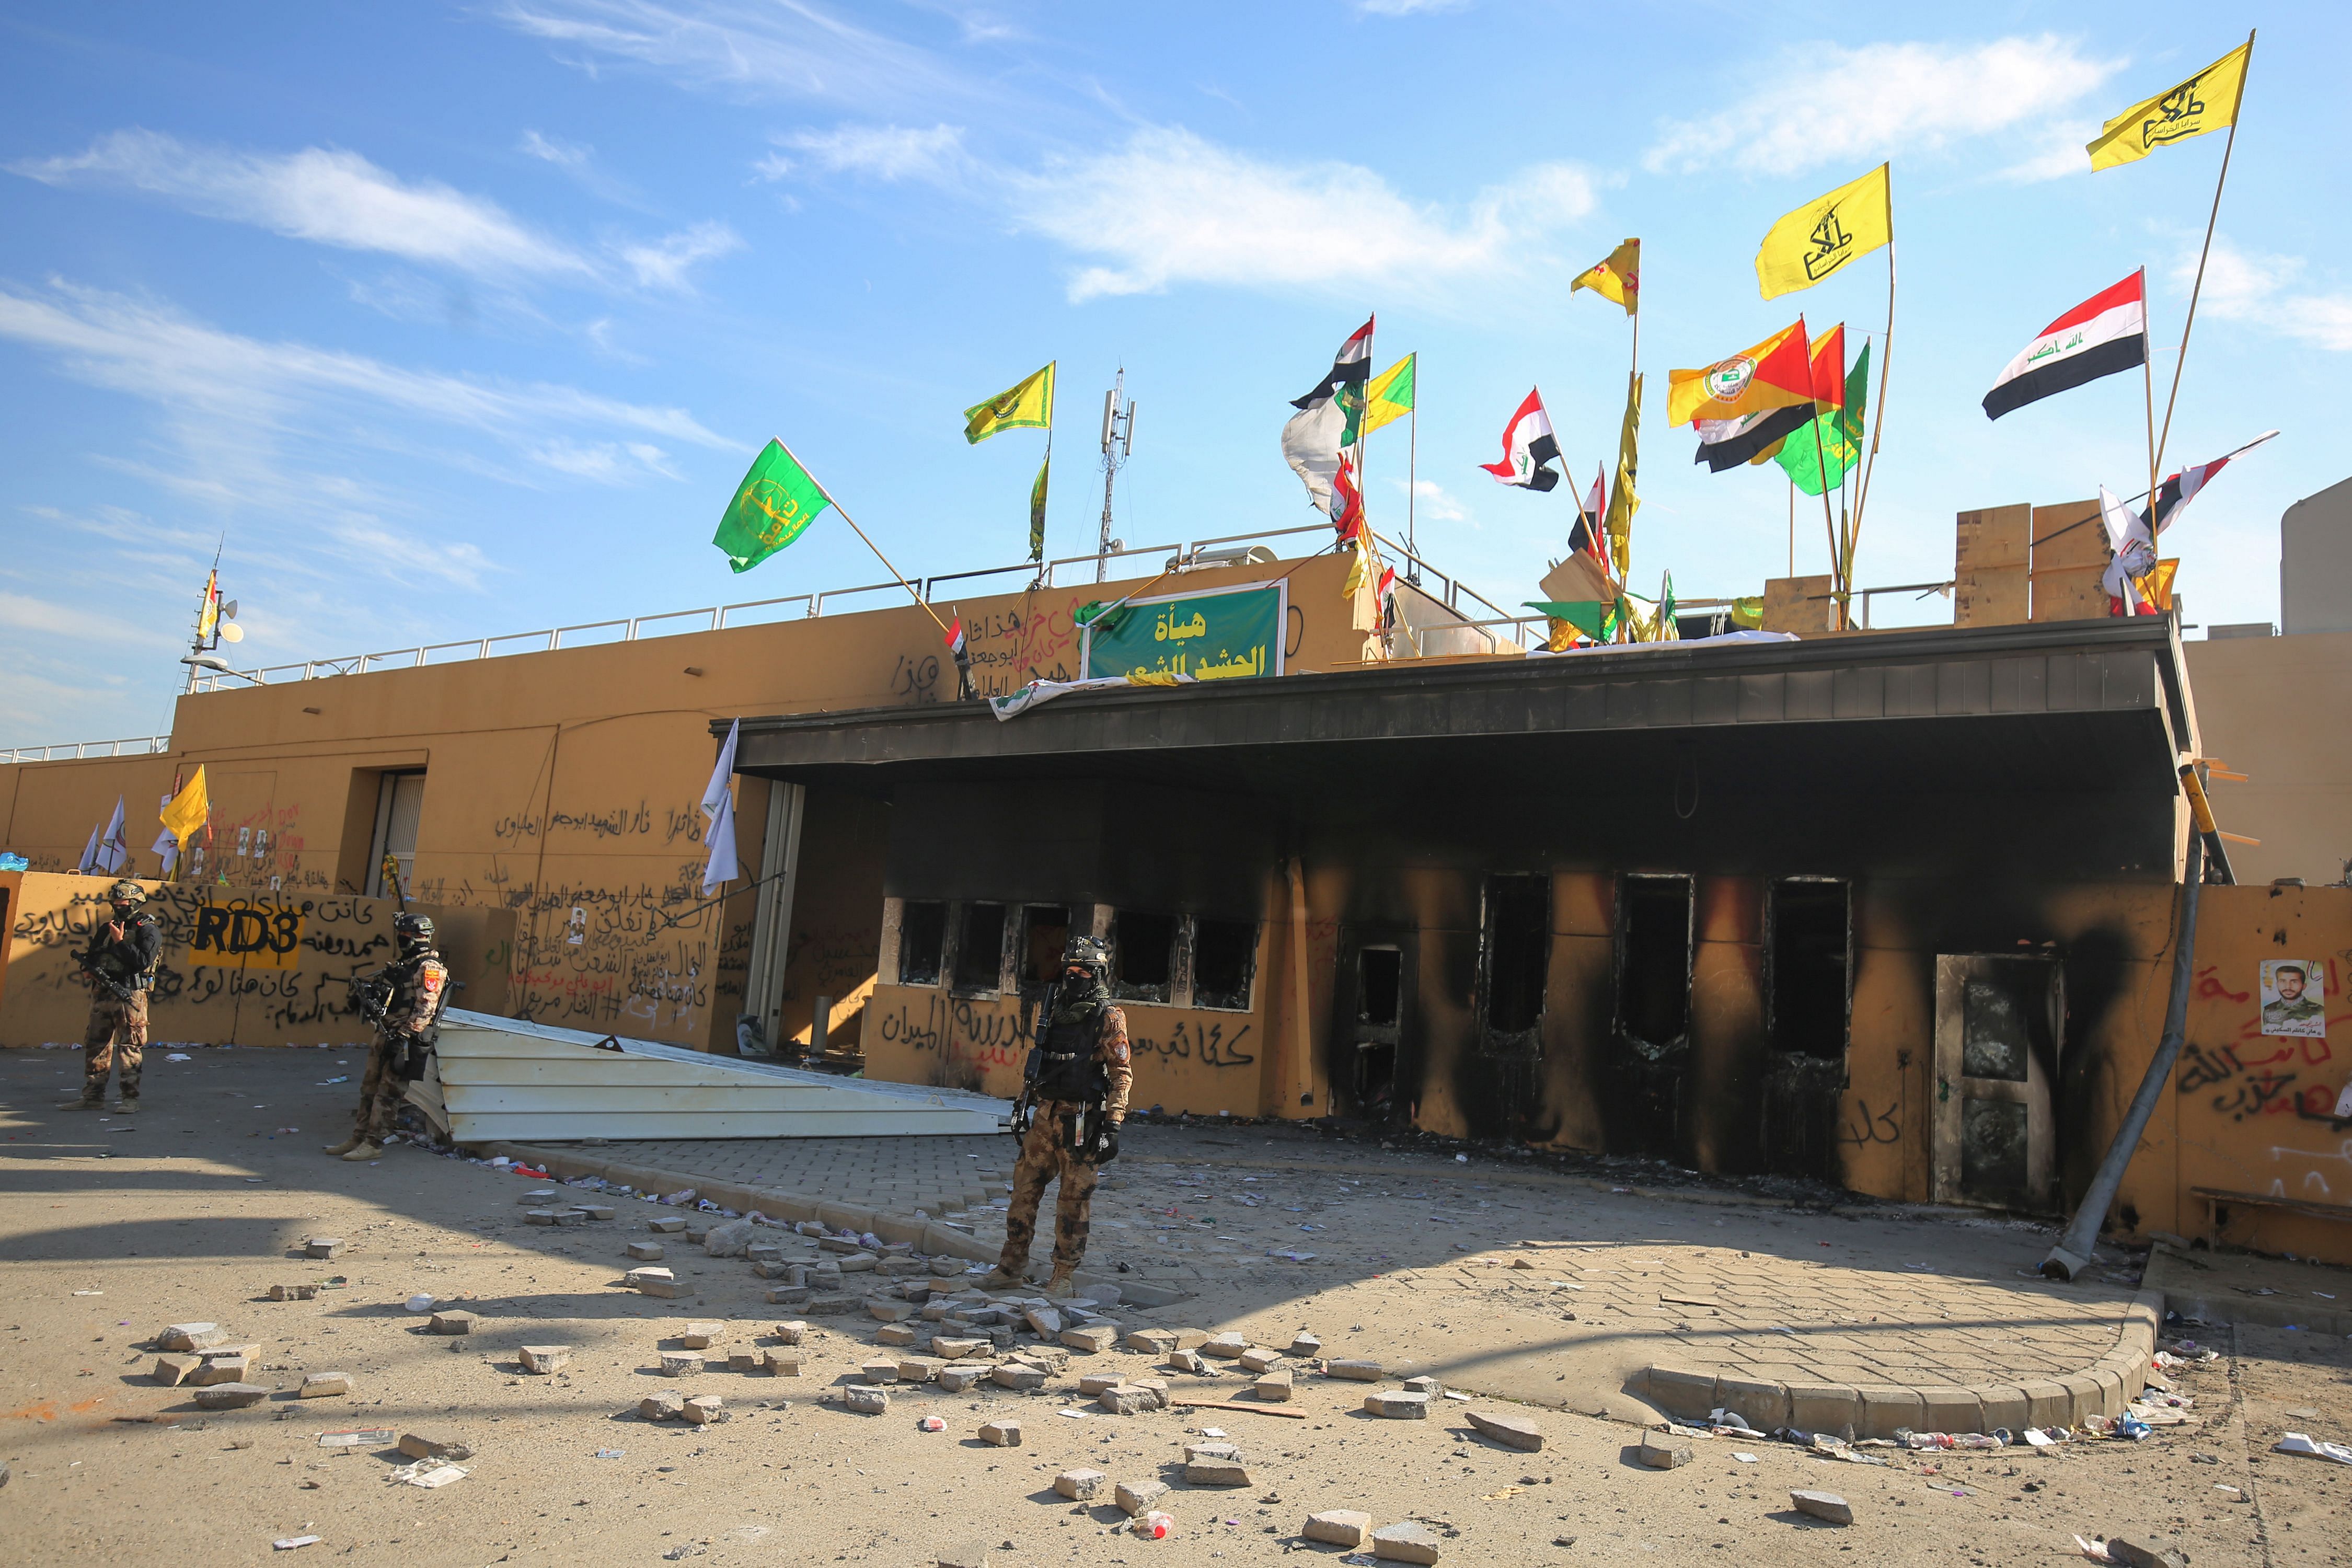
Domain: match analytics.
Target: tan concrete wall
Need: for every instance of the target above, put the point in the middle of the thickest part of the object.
(568, 781)
(209, 994)
(2272, 707)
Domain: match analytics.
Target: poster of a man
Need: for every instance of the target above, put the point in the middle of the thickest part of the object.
(2294, 998)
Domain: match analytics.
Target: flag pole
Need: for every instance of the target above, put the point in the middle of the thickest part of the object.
(1838, 585)
(2148, 385)
(1412, 474)
(1792, 527)
(2211, 219)
(861, 533)
(1885, 362)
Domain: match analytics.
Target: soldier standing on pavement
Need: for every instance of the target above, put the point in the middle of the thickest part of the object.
(1078, 1093)
(119, 964)
(411, 994)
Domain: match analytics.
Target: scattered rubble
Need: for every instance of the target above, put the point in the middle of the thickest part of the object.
(1827, 1506)
(1338, 1527)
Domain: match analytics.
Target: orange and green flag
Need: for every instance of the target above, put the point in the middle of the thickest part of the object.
(1774, 374)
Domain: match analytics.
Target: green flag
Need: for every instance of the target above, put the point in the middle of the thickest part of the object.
(1038, 510)
(1389, 397)
(1595, 618)
(775, 501)
(1840, 431)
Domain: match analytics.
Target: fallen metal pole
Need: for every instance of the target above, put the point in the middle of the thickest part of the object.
(2073, 1251)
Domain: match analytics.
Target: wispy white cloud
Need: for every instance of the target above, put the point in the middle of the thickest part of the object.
(786, 48)
(320, 194)
(2260, 289)
(1170, 207)
(663, 263)
(2062, 151)
(1833, 105)
(405, 558)
(84, 623)
(882, 152)
(555, 150)
(604, 462)
(1407, 7)
(1434, 502)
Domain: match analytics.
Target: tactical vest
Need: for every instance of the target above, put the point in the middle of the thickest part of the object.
(1066, 1067)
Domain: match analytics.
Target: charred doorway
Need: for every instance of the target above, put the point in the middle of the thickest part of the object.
(1514, 968)
(1998, 1020)
(1650, 1043)
(1808, 955)
(1374, 1072)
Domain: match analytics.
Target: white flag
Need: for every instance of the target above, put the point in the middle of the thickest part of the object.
(2134, 551)
(167, 845)
(114, 850)
(723, 775)
(88, 865)
(719, 807)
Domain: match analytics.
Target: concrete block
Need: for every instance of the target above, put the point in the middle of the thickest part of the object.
(791, 1331)
(1338, 1527)
(763, 1252)
(1190, 1339)
(660, 1407)
(231, 1396)
(681, 1364)
(701, 1334)
(1275, 1386)
(546, 1359)
(293, 1293)
(2085, 1397)
(973, 1556)
(434, 1446)
(1886, 1407)
(881, 1369)
(668, 1224)
(1423, 1385)
(2141, 1550)
(171, 1370)
(536, 1198)
(1003, 1434)
(704, 1410)
(1827, 1506)
(789, 1295)
(918, 1368)
(641, 1277)
(946, 1267)
(784, 1273)
(598, 1211)
(897, 1334)
(217, 1370)
(1354, 1369)
(1019, 1378)
(2047, 1403)
(1306, 1346)
(1215, 1465)
(1396, 1406)
(1410, 1542)
(1944, 1408)
(1665, 1451)
(957, 1347)
(325, 1385)
(1511, 1430)
(646, 1251)
(1139, 1497)
(1762, 1402)
(857, 1263)
(883, 1311)
(957, 1376)
(570, 1216)
(190, 1337)
(833, 1304)
(1681, 1391)
(1129, 1399)
(1044, 1322)
(1256, 1360)
(784, 1363)
(1186, 1360)
(1226, 1346)
(323, 1246)
(1093, 1339)
(2111, 1397)
(1824, 1407)
(1080, 1486)
(453, 1323)
(2004, 1405)
(1150, 1342)
(865, 1401)
(1094, 1383)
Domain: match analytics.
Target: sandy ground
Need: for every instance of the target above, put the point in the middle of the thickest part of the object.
(194, 1213)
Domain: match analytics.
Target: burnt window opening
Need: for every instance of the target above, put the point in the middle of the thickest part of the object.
(1224, 960)
(1654, 959)
(1808, 979)
(922, 942)
(980, 948)
(1516, 962)
(1994, 1030)
(1380, 980)
(1142, 957)
(1044, 934)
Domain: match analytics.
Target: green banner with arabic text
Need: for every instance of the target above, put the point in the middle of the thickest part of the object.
(1229, 635)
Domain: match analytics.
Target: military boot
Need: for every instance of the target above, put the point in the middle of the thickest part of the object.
(1000, 1279)
(1061, 1287)
(127, 1105)
(363, 1149)
(86, 1102)
(346, 1146)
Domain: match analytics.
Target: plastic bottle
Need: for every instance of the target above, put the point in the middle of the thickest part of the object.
(1155, 1525)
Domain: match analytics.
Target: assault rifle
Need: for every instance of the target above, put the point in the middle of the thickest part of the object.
(371, 994)
(1024, 1105)
(113, 986)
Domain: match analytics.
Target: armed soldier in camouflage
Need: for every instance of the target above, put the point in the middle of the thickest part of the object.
(120, 965)
(1080, 1071)
(405, 1002)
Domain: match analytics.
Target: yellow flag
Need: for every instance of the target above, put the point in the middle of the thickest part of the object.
(188, 810)
(1389, 397)
(2205, 102)
(1617, 278)
(1623, 502)
(1029, 404)
(1820, 238)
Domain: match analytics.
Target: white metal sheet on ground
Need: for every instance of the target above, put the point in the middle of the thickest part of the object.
(506, 1079)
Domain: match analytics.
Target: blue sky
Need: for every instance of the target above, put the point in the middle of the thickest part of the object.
(462, 319)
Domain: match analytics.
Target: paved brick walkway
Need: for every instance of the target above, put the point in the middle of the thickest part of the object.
(1555, 1289)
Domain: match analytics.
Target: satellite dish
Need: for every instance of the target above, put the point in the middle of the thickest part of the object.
(228, 612)
(231, 632)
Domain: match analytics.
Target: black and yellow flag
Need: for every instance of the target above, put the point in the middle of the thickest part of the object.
(2205, 102)
(1820, 238)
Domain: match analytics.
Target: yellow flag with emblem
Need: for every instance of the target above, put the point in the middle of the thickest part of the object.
(1616, 277)
(188, 809)
(1821, 237)
(1029, 405)
(2205, 102)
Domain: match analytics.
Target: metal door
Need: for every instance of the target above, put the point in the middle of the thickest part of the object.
(1998, 1020)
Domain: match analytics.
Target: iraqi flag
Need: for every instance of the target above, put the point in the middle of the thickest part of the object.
(1328, 417)
(2107, 334)
(2178, 490)
(1528, 445)
(1587, 535)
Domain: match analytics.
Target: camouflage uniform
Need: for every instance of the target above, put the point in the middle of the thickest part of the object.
(420, 989)
(126, 949)
(1046, 1155)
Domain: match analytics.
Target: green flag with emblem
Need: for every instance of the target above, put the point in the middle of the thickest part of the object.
(775, 502)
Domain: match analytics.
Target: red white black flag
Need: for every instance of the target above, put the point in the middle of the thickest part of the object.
(1528, 445)
(1587, 535)
(2104, 335)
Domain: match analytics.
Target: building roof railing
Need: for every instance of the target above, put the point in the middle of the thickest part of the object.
(137, 746)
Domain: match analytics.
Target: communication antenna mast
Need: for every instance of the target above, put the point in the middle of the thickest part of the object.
(216, 623)
(1117, 442)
